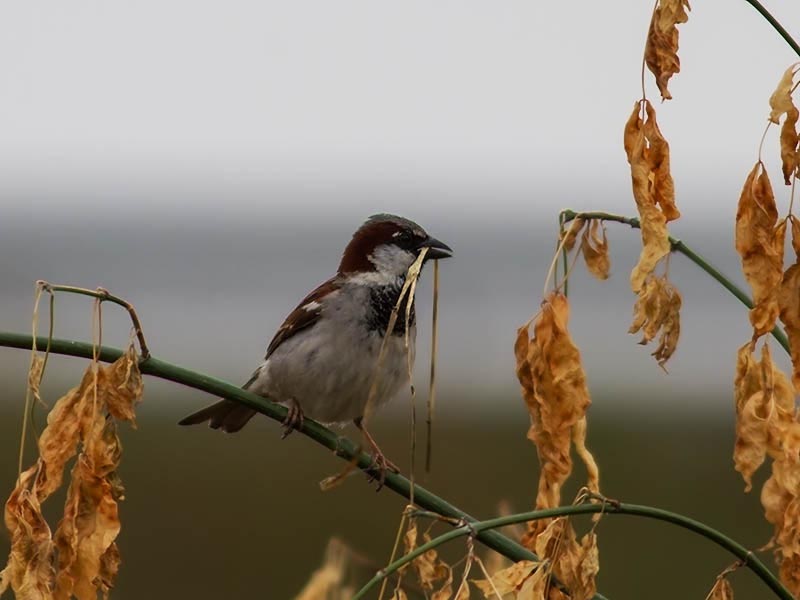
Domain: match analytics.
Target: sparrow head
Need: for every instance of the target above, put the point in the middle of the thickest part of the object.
(388, 245)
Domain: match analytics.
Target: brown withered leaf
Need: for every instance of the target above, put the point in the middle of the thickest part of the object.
(781, 99)
(760, 244)
(652, 187)
(661, 50)
(67, 423)
(657, 155)
(722, 590)
(88, 558)
(657, 312)
(569, 233)
(507, 581)
(430, 568)
(595, 250)
(575, 563)
(555, 391)
(327, 582)
(752, 408)
(789, 303)
(122, 386)
(789, 141)
(91, 518)
(29, 572)
(767, 425)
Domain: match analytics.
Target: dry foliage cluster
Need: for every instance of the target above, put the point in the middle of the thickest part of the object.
(81, 558)
(768, 424)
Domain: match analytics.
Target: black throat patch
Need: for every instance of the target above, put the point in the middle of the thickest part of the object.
(382, 301)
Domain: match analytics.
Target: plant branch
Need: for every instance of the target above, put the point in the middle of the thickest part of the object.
(104, 296)
(680, 246)
(775, 24)
(746, 557)
(342, 446)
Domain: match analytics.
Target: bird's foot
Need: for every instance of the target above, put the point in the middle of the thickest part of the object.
(380, 465)
(294, 418)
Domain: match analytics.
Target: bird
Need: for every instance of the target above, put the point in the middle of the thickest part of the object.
(322, 360)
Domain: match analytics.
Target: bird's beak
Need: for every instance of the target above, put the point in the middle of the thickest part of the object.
(436, 249)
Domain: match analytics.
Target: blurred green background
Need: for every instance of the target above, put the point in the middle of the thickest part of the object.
(209, 515)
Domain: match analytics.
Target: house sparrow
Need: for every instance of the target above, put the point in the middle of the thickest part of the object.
(322, 360)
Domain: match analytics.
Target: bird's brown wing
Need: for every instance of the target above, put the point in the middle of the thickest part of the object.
(231, 416)
(305, 315)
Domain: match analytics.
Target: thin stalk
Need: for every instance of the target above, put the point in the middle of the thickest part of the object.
(681, 247)
(105, 296)
(746, 557)
(775, 24)
(341, 446)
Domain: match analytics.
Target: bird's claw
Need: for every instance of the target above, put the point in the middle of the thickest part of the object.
(294, 419)
(377, 471)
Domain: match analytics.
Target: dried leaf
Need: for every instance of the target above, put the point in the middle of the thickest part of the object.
(661, 50)
(555, 391)
(507, 581)
(789, 304)
(430, 569)
(122, 386)
(88, 558)
(648, 155)
(722, 590)
(789, 139)
(326, 583)
(91, 519)
(575, 563)
(781, 100)
(595, 251)
(570, 232)
(760, 244)
(29, 572)
(767, 425)
(657, 311)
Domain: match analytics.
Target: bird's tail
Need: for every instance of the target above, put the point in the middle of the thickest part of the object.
(227, 415)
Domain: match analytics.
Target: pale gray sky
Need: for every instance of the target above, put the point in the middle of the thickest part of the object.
(104, 101)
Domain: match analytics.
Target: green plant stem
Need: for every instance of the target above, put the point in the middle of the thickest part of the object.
(746, 557)
(104, 296)
(342, 446)
(680, 246)
(775, 24)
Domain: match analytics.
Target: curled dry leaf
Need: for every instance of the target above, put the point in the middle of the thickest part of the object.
(760, 243)
(781, 99)
(575, 563)
(789, 139)
(510, 580)
(88, 558)
(429, 567)
(29, 572)
(661, 50)
(789, 303)
(657, 310)
(595, 251)
(328, 582)
(781, 103)
(554, 388)
(767, 425)
(722, 590)
(653, 189)
(569, 233)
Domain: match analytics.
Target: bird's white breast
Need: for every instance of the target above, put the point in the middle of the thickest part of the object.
(329, 367)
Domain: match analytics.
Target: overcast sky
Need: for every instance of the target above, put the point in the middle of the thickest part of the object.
(182, 103)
